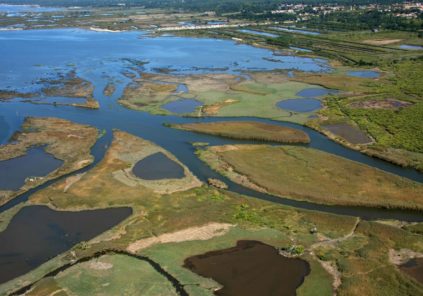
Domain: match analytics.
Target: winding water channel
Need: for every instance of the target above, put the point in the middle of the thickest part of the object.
(100, 70)
(28, 57)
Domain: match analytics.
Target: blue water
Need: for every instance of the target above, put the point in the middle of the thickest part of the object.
(315, 92)
(258, 33)
(7, 8)
(364, 74)
(27, 56)
(411, 47)
(53, 100)
(182, 106)
(300, 105)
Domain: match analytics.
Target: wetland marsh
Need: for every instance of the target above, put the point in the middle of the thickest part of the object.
(148, 172)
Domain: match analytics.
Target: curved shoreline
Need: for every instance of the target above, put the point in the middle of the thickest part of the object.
(175, 283)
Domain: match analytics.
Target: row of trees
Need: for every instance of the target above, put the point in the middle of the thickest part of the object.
(366, 21)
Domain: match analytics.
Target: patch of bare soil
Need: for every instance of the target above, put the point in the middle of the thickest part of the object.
(98, 265)
(332, 269)
(204, 232)
(214, 109)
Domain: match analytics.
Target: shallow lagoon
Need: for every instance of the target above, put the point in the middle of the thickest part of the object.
(35, 163)
(30, 55)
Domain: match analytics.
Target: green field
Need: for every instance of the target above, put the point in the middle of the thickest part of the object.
(309, 174)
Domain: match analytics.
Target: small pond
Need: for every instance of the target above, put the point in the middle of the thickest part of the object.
(258, 33)
(364, 74)
(315, 92)
(414, 268)
(251, 268)
(300, 105)
(182, 106)
(35, 163)
(411, 47)
(158, 166)
(37, 233)
(349, 133)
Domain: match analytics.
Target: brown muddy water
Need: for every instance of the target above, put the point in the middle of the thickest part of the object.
(37, 233)
(414, 268)
(158, 166)
(251, 268)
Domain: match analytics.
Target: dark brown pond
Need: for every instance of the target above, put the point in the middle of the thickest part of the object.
(158, 166)
(251, 268)
(37, 233)
(414, 268)
(349, 133)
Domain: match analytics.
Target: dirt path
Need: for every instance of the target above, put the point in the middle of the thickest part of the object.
(332, 242)
(204, 232)
(329, 266)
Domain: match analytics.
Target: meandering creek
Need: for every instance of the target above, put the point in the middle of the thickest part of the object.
(29, 56)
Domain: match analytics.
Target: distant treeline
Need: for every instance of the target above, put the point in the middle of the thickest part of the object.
(365, 21)
(220, 6)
